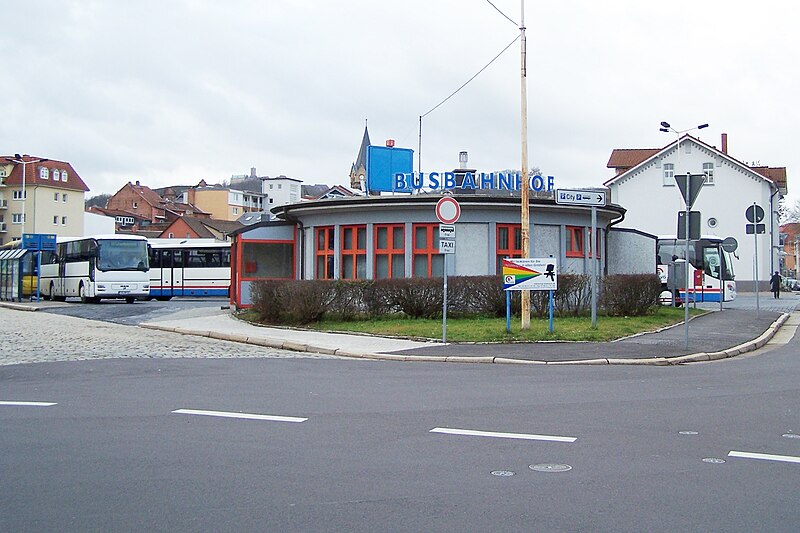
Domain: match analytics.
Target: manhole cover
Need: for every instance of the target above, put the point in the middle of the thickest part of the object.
(502, 473)
(713, 460)
(791, 435)
(550, 467)
(688, 432)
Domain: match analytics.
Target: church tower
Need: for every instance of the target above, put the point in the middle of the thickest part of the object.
(358, 170)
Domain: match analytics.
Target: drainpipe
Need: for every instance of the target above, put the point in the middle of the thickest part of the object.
(772, 230)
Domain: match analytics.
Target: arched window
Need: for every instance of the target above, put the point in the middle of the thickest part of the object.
(56, 175)
(63, 175)
(44, 173)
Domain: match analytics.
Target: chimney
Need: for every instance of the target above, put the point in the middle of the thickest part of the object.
(462, 160)
(137, 183)
(252, 172)
(725, 143)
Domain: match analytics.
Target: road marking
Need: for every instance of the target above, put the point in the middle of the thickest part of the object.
(28, 404)
(522, 436)
(248, 416)
(765, 456)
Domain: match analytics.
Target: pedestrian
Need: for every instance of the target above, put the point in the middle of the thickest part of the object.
(775, 285)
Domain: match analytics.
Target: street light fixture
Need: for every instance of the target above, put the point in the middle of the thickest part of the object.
(20, 160)
(666, 127)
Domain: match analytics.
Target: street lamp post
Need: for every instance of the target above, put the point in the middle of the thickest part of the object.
(665, 127)
(20, 160)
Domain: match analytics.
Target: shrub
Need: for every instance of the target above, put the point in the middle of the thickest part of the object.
(630, 294)
(415, 297)
(268, 301)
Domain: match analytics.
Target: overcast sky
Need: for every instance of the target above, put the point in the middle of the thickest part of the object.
(169, 92)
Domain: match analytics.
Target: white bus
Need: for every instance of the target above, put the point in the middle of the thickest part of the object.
(189, 267)
(95, 268)
(710, 269)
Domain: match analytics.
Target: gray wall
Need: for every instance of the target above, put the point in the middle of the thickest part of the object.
(631, 252)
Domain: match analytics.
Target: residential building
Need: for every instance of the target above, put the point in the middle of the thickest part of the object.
(280, 191)
(790, 234)
(138, 208)
(50, 200)
(200, 228)
(223, 203)
(645, 185)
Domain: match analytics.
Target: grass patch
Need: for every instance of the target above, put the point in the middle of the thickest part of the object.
(494, 329)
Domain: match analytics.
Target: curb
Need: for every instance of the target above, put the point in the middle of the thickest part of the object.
(698, 357)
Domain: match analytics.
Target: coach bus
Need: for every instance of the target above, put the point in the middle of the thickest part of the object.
(189, 267)
(710, 269)
(95, 268)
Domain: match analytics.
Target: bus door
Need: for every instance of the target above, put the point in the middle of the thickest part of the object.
(171, 281)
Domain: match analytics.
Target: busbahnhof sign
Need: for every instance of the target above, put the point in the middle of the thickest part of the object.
(508, 181)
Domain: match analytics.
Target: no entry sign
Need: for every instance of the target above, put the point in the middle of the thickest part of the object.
(448, 210)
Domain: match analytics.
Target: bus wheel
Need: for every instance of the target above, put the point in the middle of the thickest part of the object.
(130, 300)
(82, 293)
(53, 294)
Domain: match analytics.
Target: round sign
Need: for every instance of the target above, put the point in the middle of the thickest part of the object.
(754, 213)
(447, 210)
(730, 245)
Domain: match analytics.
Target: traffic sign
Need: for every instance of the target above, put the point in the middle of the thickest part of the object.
(754, 213)
(580, 197)
(448, 210)
(755, 228)
(447, 247)
(447, 231)
(694, 224)
(691, 191)
(730, 244)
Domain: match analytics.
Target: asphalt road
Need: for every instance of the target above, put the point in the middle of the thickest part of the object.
(654, 449)
(119, 312)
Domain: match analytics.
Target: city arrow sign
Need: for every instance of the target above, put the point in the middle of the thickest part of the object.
(580, 197)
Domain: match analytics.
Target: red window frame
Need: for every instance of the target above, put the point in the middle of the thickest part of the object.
(392, 249)
(574, 241)
(355, 251)
(430, 250)
(513, 246)
(324, 249)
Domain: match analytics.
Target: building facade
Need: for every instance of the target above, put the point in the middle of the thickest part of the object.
(280, 191)
(48, 197)
(645, 184)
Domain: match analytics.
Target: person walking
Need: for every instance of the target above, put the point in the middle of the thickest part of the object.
(775, 285)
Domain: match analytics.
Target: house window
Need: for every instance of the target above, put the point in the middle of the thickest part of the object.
(64, 198)
(354, 252)
(135, 205)
(17, 218)
(324, 252)
(427, 262)
(63, 175)
(19, 195)
(390, 251)
(669, 174)
(55, 220)
(55, 196)
(574, 241)
(235, 210)
(708, 170)
(44, 173)
(56, 175)
(170, 235)
(63, 221)
(509, 243)
(270, 186)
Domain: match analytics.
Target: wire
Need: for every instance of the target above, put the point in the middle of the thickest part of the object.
(472, 78)
(498, 10)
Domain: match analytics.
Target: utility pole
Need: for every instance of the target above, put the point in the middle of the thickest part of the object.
(524, 196)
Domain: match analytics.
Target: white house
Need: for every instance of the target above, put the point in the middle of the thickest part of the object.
(280, 191)
(645, 185)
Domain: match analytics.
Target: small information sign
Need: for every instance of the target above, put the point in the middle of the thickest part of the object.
(447, 231)
(447, 247)
(532, 274)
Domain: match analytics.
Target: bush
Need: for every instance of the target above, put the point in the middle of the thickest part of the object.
(415, 297)
(268, 300)
(630, 294)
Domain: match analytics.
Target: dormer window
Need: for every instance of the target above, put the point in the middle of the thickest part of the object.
(63, 175)
(44, 173)
(135, 205)
(56, 175)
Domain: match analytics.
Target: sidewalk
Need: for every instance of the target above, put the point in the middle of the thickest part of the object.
(716, 335)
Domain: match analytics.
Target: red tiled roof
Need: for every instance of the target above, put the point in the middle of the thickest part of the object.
(776, 174)
(33, 173)
(625, 158)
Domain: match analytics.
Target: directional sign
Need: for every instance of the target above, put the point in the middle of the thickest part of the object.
(691, 191)
(530, 274)
(580, 197)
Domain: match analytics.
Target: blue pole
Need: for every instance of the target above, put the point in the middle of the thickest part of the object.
(508, 311)
(38, 274)
(551, 311)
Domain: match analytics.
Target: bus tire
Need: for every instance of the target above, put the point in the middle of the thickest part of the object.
(53, 294)
(130, 300)
(82, 293)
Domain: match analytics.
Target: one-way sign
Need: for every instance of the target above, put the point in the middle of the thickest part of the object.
(580, 197)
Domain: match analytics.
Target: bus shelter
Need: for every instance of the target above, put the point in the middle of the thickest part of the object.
(12, 274)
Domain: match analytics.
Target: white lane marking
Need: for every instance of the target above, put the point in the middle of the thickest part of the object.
(522, 436)
(248, 416)
(765, 456)
(28, 404)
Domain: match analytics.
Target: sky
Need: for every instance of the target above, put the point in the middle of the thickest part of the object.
(170, 92)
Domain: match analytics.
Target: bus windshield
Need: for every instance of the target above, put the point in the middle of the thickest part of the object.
(704, 254)
(122, 255)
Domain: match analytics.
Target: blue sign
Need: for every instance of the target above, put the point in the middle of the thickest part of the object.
(383, 163)
(39, 241)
